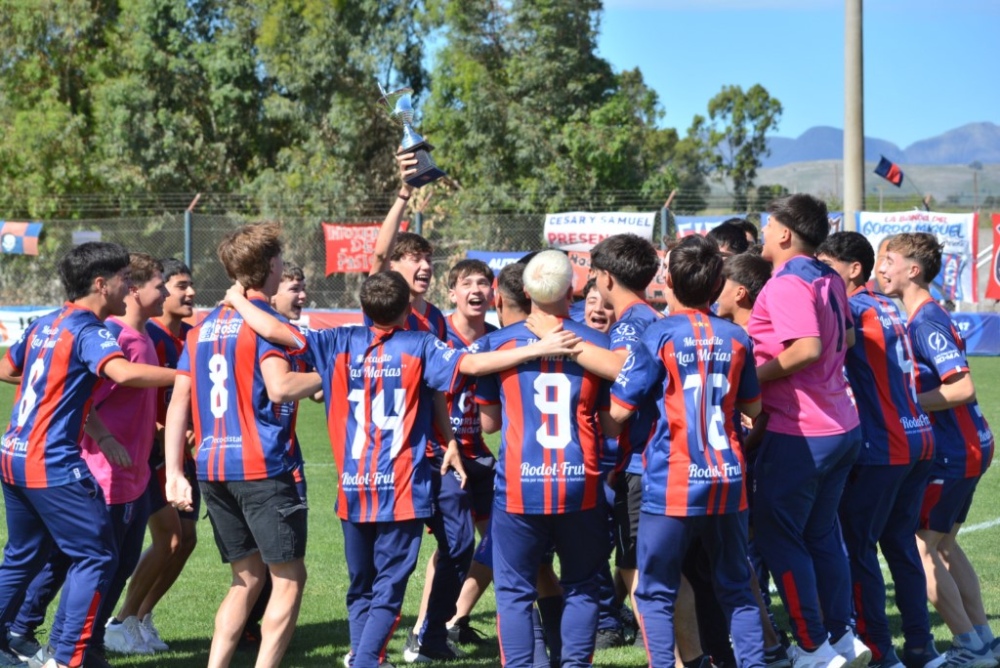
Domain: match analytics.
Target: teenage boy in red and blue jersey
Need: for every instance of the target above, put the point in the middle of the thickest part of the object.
(242, 457)
(964, 446)
(51, 498)
(548, 484)
(881, 502)
(698, 369)
(383, 379)
(801, 327)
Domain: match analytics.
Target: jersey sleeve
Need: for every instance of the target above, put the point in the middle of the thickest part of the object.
(487, 387)
(749, 389)
(319, 349)
(184, 362)
(16, 353)
(623, 336)
(640, 371)
(936, 345)
(96, 346)
(441, 364)
(792, 306)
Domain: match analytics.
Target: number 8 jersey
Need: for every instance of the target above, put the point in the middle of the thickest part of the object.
(695, 367)
(551, 440)
(236, 438)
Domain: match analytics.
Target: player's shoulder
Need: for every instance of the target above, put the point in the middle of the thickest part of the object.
(640, 314)
(588, 334)
(808, 269)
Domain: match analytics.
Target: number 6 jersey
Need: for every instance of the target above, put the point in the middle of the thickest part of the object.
(236, 437)
(551, 440)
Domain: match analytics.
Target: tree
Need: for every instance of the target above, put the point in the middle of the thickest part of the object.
(733, 137)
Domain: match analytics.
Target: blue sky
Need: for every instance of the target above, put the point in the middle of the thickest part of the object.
(929, 65)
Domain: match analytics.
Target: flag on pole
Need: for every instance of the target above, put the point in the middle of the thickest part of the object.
(890, 171)
(19, 238)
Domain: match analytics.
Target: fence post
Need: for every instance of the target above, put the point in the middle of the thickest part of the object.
(664, 212)
(188, 216)
(418, 222)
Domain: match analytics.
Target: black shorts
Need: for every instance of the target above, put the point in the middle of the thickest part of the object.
(265, 516)
(480, 472)
(628, 502)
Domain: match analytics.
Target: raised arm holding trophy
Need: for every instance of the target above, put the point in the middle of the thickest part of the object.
(400, 108)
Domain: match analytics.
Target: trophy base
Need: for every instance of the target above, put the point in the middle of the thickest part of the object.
(427, 170)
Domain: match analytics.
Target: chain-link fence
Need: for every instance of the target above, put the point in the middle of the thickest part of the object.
(34, 279)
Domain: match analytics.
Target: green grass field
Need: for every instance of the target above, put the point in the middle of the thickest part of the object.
(185, 616)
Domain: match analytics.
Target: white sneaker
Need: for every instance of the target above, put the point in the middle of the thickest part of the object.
(823, 656)
(150, 635)
(851, 648)
(125, 638)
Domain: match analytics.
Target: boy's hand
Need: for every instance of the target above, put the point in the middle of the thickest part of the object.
(236, 291)
(558, 342)
(407, 167)
(453, 460)
(178, 491)
(114, 451)
(541, 324)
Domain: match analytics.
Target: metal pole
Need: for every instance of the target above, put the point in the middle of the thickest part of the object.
(854, 118)
(188, 216)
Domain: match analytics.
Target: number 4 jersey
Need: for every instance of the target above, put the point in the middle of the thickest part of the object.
(236, 437)
(551, 440)
(695, 367)
(379, 391)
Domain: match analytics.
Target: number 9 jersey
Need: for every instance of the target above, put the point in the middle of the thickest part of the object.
(236, 438)
(551, 440)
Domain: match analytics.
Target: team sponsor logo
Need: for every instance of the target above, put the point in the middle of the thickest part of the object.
(937, 342)
(916, 424)
(440, 345)
(556, 470)
(8, 242)
(625, 331)
(730, 471)
(622, 378)
(369, 479)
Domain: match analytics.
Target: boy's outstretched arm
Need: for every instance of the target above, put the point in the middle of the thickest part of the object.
(556, 343)
(265, 324)
(283, 384)
(390, 226)
(133, 374)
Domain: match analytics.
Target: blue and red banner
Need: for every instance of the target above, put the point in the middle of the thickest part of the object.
(19, 238)
(889, 171)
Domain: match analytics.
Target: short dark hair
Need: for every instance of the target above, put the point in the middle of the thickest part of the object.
(510, 285)
(730, 236)
(385, 296)
(409, 243)
(468, 267)
(629, 258)
(142, 267)
(292, 272)
(172, 267)
(747, 227)
(82, 264)
(850, 247)
(695, 269)
(590, 285)
(921, 247)
(749, 270)
(247, 253)
(804, 215)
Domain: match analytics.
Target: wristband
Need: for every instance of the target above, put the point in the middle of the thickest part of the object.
(405, 198)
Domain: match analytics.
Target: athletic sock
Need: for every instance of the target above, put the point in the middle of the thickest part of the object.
(970, 640)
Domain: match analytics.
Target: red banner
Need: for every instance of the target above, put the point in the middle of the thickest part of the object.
(655, 292)
(993, 285)
(349, 248)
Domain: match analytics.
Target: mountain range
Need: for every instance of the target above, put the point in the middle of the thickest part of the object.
(975, 142)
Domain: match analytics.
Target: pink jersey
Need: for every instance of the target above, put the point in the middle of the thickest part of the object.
(129, 413)
(805, 298)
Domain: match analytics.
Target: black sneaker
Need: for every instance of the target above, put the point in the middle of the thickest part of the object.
(431, 655)
(888, 660)
(928, 657)
(608, 638)
(463, 633)
(24, 647)
(11, 660)
(41, 657)
(94, 658)
(777, 657)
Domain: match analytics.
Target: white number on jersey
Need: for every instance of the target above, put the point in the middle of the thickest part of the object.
(555, 410)
(393, 423)
(218, 373)
(30, 395)
(718, 387)
(904, 357)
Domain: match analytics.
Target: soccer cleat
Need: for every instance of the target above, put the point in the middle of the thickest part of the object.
(963, 657)
(94, 658)
(608, 638)
(432, 655)
(125, 637)
(463, 633)
(42, 657)
(151, 635)
(995, 648)
(888, 660)
(851, 648)
(823, 656)
(11, 660)
(24, 647)
(777, 657)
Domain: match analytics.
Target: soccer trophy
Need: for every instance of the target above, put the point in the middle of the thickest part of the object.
(401, 110)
